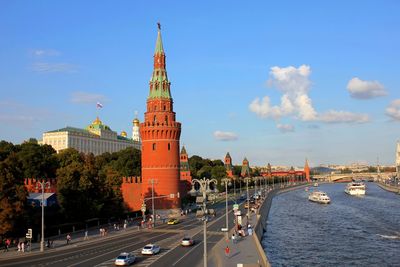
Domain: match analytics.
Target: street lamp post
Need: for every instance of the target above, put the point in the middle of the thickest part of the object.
(204, 189)
(247, 180)
(227, 182)
(152, 182)
(42, 185)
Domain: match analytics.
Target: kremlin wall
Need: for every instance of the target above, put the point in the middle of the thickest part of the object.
(165, 170)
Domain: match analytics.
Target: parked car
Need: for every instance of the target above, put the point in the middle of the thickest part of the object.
(187, 241)
(151, 249)
(173, 221)
(125, 258)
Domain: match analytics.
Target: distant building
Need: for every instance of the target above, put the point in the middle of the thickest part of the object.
(398, 159)
(97, 138)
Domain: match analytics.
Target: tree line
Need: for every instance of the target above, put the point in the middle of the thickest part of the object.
(88, 186)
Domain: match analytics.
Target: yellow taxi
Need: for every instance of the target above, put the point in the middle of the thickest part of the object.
(173, 221)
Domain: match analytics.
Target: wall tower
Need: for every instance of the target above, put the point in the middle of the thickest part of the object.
(228, 165)
(307, 171)
(160, 135)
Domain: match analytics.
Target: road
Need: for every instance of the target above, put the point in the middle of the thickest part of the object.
(102, 251)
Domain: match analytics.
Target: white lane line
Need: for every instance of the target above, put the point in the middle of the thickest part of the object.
(112, 251)
(187, 253)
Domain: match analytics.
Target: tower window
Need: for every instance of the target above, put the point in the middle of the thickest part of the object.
(169, 146)
(155, 117)
(166, 119)
(154, 146)
(165, 107)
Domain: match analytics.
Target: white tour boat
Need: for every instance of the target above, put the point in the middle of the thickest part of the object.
(319, 197)
(355, 188)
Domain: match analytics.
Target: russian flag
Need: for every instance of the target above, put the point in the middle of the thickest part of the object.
(99, 105)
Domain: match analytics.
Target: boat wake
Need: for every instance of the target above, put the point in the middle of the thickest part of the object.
(389, 236)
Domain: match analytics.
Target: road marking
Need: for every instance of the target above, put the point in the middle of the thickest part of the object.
(186, 253)
(109, 252)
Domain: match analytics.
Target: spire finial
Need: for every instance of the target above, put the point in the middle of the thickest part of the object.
(159, 26)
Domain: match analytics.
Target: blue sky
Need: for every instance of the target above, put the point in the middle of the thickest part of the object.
(275, 81)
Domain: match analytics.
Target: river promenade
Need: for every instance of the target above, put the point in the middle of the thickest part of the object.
(248, 251)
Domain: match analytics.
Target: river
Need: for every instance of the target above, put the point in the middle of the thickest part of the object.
(351, 231)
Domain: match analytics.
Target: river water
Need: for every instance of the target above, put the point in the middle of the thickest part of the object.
(351, 231)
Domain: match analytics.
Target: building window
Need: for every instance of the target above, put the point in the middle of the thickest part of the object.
(155, 118)
(169, 146)
(154, 146)
(165, 107)
(166, 119)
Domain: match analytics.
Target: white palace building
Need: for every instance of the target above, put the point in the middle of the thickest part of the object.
(97, 138)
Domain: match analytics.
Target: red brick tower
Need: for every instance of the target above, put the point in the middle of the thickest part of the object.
(307, 171)
(186, 177)
(245, 168)
(185, 168)
(160, 135)
(228, 165)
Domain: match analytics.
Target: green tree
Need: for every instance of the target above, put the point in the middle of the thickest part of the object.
(113, 202)
(13, 197)
(205, 171)
(38, 161)
(5, 149)
(127, 162)
(70, 196)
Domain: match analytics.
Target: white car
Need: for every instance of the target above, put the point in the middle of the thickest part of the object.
(151, 249)
(187, 241)
(125, 258)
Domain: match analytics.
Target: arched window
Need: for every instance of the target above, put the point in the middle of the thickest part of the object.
(154, 146)
(165, 107)
(155, 118)
(166, 119)
(169, 146)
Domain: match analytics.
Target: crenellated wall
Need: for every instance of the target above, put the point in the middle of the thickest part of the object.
(131, 189)
(32, 186)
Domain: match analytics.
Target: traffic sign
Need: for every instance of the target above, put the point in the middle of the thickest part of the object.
(29, 234)
(143, 209)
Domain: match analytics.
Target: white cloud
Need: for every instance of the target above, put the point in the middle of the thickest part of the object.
(21, 115)
(365, 89)
(294, 84)
(80, 97)
(334, 116)
(285, 128)
(393, 110)
(45, 52)
(45, 67)
(225, 136)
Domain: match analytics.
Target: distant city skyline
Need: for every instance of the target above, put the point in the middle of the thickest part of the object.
(275, 82)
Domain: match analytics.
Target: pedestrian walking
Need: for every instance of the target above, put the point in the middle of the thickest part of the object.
(86, 235)
(227, 251)
(7, 244)
(19, 246)
(68, 239)
(22, 246)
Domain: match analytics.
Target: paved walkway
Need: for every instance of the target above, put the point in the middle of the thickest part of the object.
(243, 252)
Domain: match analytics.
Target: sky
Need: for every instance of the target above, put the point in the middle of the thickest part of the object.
(274, 81)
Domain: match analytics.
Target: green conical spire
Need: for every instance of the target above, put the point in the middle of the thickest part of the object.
(183, 151)
(159, 84)
(159, 46)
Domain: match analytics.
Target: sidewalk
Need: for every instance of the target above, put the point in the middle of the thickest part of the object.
(242, 253)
